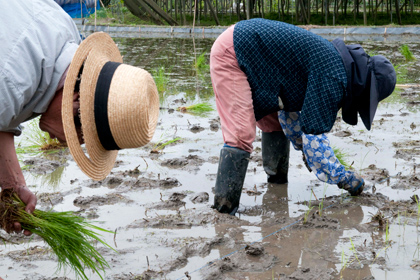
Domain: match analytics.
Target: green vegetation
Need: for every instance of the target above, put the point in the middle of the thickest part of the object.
(115, 13)
(307, 212)
(39, 139)
(197, 109)
(344, 263)
(159, 146)
(201, 63)
(321, 204)
(341, 156)
(291, 11)
(161, 79)
(402, 68)
(405, 51)
(68, 235)
(353, 249)
(53, 179)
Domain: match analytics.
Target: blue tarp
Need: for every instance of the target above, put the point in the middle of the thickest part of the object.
(79, 8)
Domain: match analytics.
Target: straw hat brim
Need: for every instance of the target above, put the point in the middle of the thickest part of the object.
(93, 53)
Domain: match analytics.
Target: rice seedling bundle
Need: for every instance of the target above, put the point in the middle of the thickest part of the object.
(68, 235)
(198, 109)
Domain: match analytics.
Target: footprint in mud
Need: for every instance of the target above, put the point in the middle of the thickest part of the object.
(201, 197)
(96, 200)
(407, 150)
(343, 133)
(43, 166)
(375, 174)
(146, 183)
(50, 199)
(191, 160)
(174, 202)
(215, 124)
(196, 128)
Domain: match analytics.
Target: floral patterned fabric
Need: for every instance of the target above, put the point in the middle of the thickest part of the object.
(318, 152)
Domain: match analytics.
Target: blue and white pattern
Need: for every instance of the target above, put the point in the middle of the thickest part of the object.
(318, 152)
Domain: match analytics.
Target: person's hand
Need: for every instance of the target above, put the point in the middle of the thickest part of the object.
(29, 198)
(353, 185)
(11, 176)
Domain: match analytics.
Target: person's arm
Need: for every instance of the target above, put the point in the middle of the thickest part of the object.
(11, 176)
(318, 154)
(326, 166)
(289, 122)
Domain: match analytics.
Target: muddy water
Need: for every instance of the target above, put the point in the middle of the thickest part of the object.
(159, 203)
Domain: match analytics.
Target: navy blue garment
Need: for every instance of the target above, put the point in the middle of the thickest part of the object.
(303, 69)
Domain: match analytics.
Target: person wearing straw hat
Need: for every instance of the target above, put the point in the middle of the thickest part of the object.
(290, 83)
(83, 92)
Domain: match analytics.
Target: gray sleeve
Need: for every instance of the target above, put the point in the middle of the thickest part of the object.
(42, 40)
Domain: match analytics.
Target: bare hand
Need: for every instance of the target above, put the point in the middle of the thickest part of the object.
(30, 200)
(11, 176)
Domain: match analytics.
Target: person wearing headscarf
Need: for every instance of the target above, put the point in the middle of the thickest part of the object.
(281, 77)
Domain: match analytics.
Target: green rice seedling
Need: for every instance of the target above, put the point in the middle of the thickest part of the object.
(377, 254)
(353, 249)
(405, 51)
(161, 79)
(344, 262)
(197, 109)
(372, 52)
(321, 204)
(341, 156)
(33, 149)
(305, 219)
(162, 144)
(310, 207)
(402, 73)
(39, 139)
(68, 235)
(201, 64)
(53, 179)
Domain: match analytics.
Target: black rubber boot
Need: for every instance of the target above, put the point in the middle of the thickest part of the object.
(275, 154)
(230, 179)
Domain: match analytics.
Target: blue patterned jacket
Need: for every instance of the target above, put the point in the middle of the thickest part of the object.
(303, 69)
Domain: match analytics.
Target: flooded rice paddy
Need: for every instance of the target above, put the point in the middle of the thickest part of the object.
(159, 203)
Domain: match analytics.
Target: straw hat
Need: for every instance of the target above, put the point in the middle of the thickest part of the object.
(119, 105)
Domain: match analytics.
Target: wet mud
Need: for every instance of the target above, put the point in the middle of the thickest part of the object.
(158, 204)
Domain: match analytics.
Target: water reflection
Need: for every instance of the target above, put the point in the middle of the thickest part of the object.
(49, 181)
(177, 59)
(176, 56)
(295, 248)
(311, 246)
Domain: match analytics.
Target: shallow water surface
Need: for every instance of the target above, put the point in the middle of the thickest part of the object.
(159, 204)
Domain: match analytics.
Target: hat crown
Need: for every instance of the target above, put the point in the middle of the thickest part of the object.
(132, 113)
(130, 100)
(385, 74)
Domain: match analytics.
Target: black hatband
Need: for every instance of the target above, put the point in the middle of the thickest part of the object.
(101, 106)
